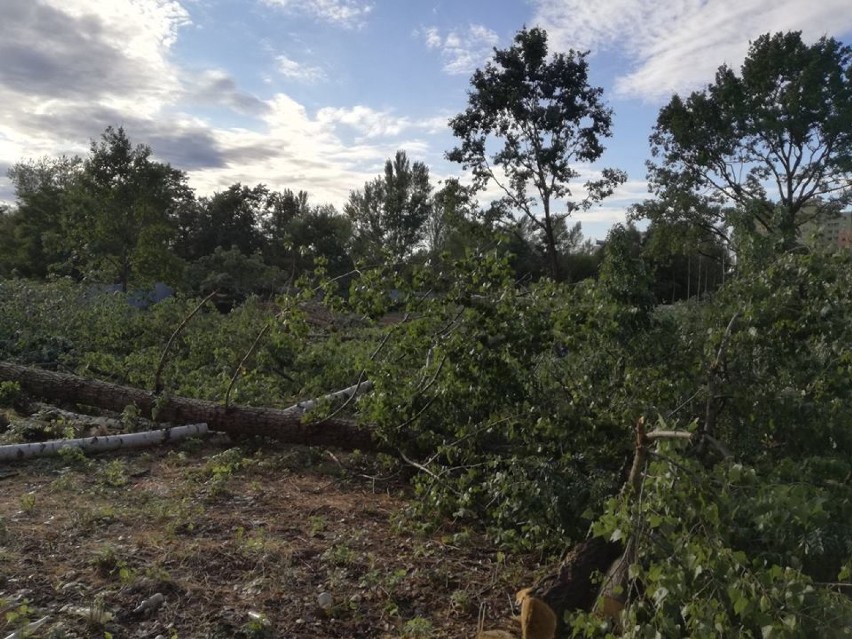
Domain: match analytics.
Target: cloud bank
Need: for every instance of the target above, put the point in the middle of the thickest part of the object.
(73, 67)
(677, 46)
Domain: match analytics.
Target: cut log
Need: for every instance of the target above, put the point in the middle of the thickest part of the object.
(101, 444)
(285, 425)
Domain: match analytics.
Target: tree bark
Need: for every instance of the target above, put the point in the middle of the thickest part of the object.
(285, 425)
(101, 444)
(572, 586)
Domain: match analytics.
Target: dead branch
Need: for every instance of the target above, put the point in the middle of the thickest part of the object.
(243, 361)
(347, 393)
(101, 444)
(714, 380)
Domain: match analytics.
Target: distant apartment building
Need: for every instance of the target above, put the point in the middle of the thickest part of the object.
(828, 232)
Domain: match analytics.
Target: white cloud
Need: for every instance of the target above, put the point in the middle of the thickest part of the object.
(345, 13)
(677, 46)
(462, 51)
(371, 123)
(73, 67)
(298, 151)
(296, 71)
(115, 52)
(368, 122)
(66, 76)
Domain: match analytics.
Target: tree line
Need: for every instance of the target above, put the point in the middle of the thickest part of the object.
(736, 168)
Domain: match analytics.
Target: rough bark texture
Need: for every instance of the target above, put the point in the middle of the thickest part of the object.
(571, 588)
(285, 425)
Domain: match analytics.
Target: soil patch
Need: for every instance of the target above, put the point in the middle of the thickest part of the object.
(272, 542)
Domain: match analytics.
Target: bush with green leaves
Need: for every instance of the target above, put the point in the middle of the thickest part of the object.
(788, 386)
(518, 400)
(79, 329)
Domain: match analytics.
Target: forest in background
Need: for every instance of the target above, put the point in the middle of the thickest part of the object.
(509, 360)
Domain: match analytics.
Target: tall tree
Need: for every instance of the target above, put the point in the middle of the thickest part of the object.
(283, 208)
(320, 234)
(546, 118)
(122, 217)
(33, 244)
(772, 144)
(389, 214)
(451, 220)
(231, 219)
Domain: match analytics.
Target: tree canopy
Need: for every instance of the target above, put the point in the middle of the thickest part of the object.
(530, 119)
(389, 213)
(767, 149)
(34, 245)
(121, 218)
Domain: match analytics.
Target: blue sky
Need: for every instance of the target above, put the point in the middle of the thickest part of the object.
(316, 94)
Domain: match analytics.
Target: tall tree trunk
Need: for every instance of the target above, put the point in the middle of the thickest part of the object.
(550, 240)
(285, 425)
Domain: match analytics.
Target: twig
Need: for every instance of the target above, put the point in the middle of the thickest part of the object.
(474, 433)
(434, 377)
(243, 361)
(363, 372)
(158, 385)
(266, 328)
(668, 434)
(413, 419)
(682, 434)
(418, 466)
(682, 404)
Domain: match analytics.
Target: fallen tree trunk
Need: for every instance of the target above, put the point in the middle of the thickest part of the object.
(285, 425)
(102, 443)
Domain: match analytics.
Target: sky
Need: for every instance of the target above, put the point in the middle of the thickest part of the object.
(315, 95)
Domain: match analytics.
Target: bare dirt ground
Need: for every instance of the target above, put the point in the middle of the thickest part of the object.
(240, 542)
